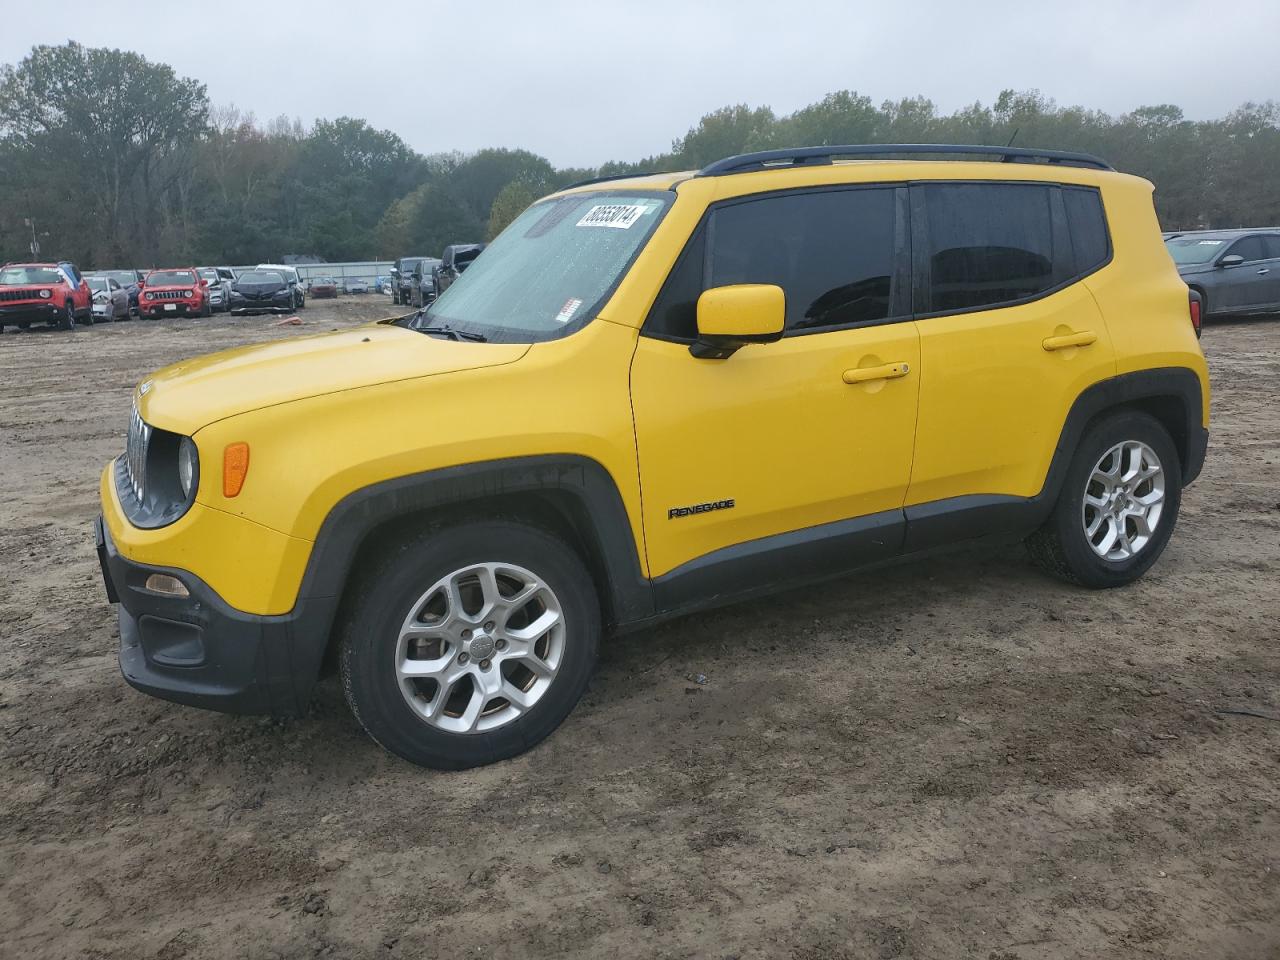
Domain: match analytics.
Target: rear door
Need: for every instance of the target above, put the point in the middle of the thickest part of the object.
(1008, 336)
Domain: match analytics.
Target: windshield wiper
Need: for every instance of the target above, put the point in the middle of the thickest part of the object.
(453, 334)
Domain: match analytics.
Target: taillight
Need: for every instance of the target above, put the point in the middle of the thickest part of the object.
(1193, 305)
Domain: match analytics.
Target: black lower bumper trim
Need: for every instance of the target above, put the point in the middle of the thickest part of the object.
(198, 650)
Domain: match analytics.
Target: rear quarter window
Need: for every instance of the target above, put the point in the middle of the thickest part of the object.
(1088, 226)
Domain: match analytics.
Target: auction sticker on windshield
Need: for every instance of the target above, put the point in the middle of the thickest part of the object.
(568, 310)
(618, 215)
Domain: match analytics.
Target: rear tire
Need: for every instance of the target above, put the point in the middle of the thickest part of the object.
(402, 714)
(1131, 519)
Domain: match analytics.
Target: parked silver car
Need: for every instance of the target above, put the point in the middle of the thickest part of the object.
(110, 300)
(1234, 271)
(220, 280)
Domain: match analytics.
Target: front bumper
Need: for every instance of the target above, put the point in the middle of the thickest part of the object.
(161, 308)
(29, 313)
(200, 651)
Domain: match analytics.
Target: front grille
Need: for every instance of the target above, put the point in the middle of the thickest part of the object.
(135, 454)
(33, 294)
(170, 294)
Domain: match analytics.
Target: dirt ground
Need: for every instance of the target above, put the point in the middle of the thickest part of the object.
(956, 757)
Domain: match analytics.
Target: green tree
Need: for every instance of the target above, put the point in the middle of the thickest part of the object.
(107, 126)
(510, 202)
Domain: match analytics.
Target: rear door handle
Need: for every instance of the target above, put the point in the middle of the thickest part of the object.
(1264, 270)
(886, 371)
(1081, 339)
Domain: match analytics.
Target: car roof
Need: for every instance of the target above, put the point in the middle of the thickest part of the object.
(1225, 234)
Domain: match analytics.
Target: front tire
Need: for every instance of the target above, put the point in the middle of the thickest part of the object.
(1117, 507)
(68, 319)
(469, 644)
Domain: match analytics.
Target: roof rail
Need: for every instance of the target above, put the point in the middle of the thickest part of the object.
(814, 156)
(617, 176)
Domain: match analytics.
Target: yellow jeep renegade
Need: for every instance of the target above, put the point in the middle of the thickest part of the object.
(653, 395)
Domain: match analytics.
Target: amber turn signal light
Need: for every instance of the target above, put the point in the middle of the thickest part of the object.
(235, 466)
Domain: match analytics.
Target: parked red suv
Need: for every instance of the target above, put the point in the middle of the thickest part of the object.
(174, 292)
(52, 293)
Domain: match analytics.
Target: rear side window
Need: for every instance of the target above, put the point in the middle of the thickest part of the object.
(832, 252)
(1088, 226)
(988, 244)
(1272, 242)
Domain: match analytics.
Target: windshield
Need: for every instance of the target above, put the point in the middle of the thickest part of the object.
(122, 277)
(407, 264)
(260, 276)
(18, 275)
(166, 277)
(208, 274)
(1195, 249)
(96, 284)
(550, 269)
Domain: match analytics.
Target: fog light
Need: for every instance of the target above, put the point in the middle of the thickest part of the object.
(170, 586)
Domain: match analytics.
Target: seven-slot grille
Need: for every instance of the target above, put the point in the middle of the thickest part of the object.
(135, 455)
(170, 294)
(29, 294)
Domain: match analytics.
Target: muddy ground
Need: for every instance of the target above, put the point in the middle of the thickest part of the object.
(953, 758)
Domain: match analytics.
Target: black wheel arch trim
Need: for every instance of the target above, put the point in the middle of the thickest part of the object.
(580, 481)
(940, 522)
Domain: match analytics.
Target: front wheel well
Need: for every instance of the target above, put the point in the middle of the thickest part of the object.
(555, 512)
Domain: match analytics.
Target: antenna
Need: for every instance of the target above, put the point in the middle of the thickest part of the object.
(1014, 137)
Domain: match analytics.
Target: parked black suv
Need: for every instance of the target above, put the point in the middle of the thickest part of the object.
(457, 257)
(1234, 271)
(402, 276)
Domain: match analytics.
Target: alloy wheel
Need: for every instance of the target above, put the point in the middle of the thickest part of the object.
(480, 647)
(1123, 500)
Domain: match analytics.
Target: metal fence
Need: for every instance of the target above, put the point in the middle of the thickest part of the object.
(370, 271)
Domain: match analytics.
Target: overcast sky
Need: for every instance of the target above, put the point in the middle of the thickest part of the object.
(581, 83)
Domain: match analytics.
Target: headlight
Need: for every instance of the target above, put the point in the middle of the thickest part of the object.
(188, 465)
(46, 294)
(151, 296)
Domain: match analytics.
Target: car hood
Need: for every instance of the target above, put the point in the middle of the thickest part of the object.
(194, 393)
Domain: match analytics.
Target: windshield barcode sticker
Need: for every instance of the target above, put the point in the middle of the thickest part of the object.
(619, 215)
(568, 310)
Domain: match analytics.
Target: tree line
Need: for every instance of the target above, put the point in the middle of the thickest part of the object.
(111, 159)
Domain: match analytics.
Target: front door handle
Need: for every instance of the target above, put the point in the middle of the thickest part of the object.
(1081, 339)
(1264, 270)
(886, 371)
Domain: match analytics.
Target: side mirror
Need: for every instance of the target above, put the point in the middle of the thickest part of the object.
(204, 282)
(1231, 260)
(732, 317)
(141, 283)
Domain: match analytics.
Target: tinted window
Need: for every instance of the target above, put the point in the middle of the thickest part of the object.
(1272, 242)
(675, 312)
(832, 253)
(988, 243)
(1251, 248)
(1088, 227)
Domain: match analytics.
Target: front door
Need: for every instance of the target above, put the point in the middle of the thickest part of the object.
(1244, 286)
(791, 452)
